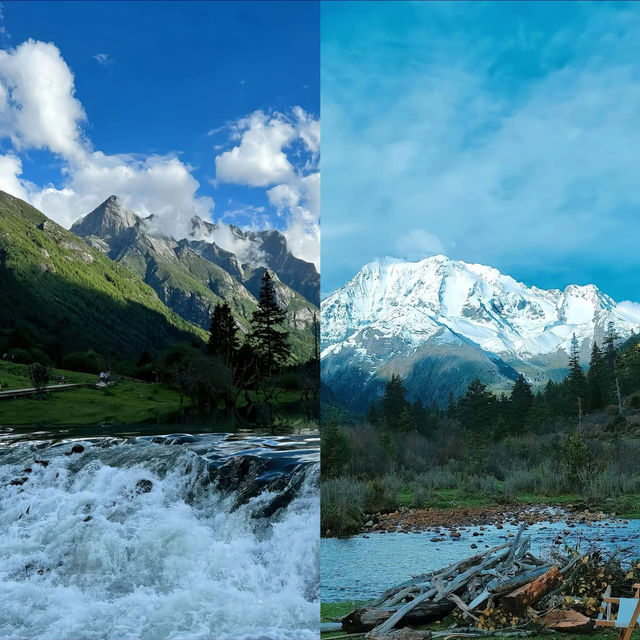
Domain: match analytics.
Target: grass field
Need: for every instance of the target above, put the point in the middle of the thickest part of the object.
(127, 402)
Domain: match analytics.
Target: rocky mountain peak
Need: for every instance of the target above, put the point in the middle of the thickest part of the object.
(108, 219)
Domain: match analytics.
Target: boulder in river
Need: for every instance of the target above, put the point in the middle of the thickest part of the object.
(77, 448)
(144, 486)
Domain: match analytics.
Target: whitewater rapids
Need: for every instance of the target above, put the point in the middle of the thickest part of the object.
(133, 538)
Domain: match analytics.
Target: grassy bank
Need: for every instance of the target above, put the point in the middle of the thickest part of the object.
(127, 402)
(347, 501)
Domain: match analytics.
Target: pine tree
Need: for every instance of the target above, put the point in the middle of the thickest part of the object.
(596, 378)
(373, 418)
(520, 402)
(223, 334)
(477, 408)
(405, 422)
(393, 401)
(610, 363)
(420, 416)
(451, 406)
(316, 338)
(576, 380)
(335, 447)
(268, 338)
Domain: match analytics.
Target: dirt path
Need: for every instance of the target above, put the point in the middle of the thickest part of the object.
(27, 391)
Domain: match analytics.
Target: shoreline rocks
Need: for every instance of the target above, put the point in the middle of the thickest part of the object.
(420, 520)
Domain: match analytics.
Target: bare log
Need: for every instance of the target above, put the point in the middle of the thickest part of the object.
(401, 634)
(423, 612)
(530, 593)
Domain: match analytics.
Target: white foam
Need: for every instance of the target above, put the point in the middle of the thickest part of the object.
(176, 562)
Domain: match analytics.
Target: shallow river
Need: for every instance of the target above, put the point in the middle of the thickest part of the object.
(173, 536)
(361, 567)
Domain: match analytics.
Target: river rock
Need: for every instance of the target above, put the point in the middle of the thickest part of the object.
(144, 486)
(77, 448)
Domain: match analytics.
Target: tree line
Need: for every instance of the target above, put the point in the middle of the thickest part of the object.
(611, 375)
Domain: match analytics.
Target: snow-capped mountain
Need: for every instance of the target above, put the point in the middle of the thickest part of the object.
(440, 322)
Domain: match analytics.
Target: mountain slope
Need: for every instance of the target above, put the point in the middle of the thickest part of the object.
(191, 276)
(269, 248)
(416, 319)
(70, 296)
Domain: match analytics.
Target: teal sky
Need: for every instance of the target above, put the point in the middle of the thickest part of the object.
(501, 133)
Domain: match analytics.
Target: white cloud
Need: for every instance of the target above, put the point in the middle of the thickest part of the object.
(227, 237)
(261, 160)
(419, 244)
(38, 108)
(632, 308)
(10, 170)
(161, 185)
(308, 129)
(526, 173)
(303, 227)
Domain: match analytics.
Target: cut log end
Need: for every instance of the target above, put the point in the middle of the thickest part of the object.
(527, 595)
(569, 621)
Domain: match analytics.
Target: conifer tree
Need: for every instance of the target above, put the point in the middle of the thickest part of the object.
(596, 378)
(269, 340)
(223, 334)
(451, 406)
(477, 407)
(520, 402)
(335, 447)
(576, 380)
(393, 401)
(373, 417)
(610, 362)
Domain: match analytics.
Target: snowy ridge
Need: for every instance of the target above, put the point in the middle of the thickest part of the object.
(412, 301)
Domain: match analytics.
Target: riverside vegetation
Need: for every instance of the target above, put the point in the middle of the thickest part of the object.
(574, 442)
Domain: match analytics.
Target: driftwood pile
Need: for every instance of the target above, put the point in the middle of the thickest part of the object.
(494, 589)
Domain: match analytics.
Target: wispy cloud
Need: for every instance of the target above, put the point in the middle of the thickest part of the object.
(509, 135)
(103, 59)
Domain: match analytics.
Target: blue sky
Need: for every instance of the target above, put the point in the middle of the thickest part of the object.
(501, 133)
(148, 97)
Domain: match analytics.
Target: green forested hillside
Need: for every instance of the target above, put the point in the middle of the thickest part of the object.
(61, 295)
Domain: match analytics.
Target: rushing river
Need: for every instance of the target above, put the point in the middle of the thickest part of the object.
(362, 567)
(173, 536)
